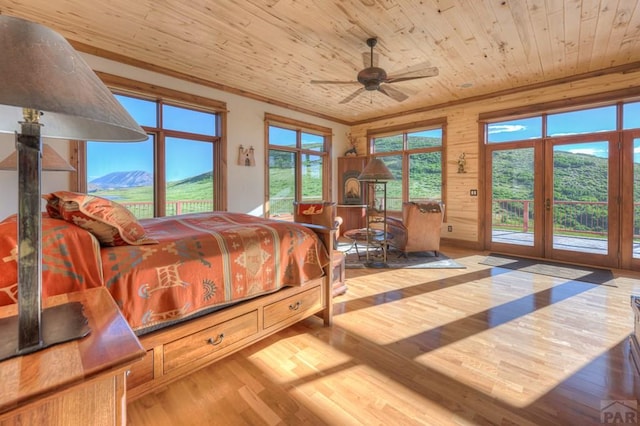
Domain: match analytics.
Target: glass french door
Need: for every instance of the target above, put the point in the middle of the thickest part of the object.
(556, 198)
(581, 193)
(630, 216)
(514, 207)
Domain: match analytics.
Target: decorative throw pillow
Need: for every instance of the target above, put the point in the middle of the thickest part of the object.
(111, 223)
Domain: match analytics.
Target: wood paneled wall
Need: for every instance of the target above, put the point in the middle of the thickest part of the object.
(464, 135)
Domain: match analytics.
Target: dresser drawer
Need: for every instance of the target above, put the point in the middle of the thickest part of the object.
(297, 306)
(210, 340)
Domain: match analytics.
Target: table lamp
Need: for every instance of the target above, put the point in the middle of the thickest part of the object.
(47, 90)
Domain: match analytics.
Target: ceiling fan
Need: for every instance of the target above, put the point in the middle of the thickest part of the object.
(375, 78)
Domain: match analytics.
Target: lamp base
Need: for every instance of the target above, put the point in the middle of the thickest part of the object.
(60, 323)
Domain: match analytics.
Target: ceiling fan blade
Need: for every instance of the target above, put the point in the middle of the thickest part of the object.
(332, 82)
(429, 72)
(352, 96)
(366, 59)
(393, 93)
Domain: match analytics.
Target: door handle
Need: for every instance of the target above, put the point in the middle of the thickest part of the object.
(547, 204)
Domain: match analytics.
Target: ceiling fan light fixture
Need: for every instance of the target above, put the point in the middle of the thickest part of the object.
(371, 77)
(371, 85)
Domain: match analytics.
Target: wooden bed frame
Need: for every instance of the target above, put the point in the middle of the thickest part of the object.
(182, 349)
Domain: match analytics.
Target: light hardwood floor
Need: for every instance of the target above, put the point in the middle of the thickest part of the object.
(422, 347)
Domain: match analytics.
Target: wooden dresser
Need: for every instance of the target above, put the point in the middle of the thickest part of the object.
(79, 382)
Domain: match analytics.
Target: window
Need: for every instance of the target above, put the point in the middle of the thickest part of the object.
(415, 157)
(631, 115)
(582, 121)
(298, 164)
(177, 170)
(514, 130)
(564, 123)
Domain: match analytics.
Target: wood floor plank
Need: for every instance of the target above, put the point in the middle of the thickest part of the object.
(472, 346)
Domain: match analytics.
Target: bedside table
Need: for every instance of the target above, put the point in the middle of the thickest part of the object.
(78, 382)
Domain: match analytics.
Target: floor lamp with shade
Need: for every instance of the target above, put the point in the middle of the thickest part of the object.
(47, 90)
(375, 175)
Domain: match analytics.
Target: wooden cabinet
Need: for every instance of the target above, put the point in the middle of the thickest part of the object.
(353, 217)
(351, 196)
(79, 382)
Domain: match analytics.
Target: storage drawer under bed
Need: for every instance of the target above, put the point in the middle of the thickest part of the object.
(209, 340)
(298, 305)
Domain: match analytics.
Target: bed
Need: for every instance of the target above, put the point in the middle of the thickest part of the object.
(194, 287)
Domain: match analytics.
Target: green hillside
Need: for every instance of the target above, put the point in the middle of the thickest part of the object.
(578, 177)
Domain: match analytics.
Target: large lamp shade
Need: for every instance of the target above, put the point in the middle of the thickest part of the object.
(41, 71)
(375, 170)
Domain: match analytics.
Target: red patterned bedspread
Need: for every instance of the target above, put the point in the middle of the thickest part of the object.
(201, 261)
(70, 259)
(205, 260)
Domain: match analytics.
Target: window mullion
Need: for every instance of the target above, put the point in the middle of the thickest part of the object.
(160, 175)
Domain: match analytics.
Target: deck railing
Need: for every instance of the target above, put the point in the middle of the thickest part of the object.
(570, 217)
(144, 209)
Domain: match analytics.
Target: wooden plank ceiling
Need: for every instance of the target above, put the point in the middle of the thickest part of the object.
(272, 49)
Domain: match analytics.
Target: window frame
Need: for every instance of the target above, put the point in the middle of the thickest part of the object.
(404, 130)
(163, 96)
(299, 127)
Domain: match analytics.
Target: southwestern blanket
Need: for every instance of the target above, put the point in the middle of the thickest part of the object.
(201, 261)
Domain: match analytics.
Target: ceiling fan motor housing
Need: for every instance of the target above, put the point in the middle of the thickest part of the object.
(371, 77)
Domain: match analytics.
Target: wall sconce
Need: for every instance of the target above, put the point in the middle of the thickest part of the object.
(245, 157)
(462, 162)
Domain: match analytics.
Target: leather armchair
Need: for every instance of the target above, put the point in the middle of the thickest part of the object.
(419, 229)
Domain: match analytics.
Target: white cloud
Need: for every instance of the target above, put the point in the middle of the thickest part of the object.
(583, 151)
(589, 151)
(505, 128)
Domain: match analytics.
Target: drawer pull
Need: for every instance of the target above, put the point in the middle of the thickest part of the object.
(217, 340)
(295, 306)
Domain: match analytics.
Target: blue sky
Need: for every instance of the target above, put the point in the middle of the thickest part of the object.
(185, 158)
(571, 123)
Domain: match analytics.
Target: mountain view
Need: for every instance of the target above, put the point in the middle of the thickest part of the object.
(128, 179)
